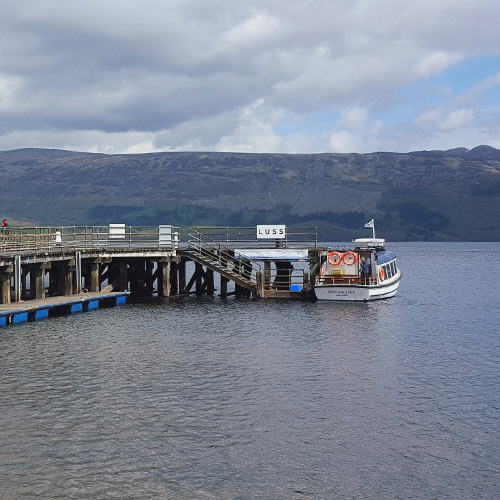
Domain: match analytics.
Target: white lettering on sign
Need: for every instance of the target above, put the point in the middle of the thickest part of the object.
(271, 231)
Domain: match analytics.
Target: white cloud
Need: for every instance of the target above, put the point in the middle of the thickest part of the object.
(343, 142)
(435, 62)
(456, 119)
(354, 117)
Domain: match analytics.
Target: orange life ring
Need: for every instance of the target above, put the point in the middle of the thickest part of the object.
(334, 258)
(350, 258)
(381, 274)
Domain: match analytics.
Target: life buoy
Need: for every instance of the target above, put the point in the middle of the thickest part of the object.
(381, 274)
(350, 258)
(334, 258)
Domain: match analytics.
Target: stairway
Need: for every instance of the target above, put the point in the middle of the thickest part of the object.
(220, 258)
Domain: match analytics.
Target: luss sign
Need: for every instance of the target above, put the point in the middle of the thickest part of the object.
(266, 231)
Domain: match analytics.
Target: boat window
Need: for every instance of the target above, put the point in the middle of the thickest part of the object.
(388, 271)
(393, 266)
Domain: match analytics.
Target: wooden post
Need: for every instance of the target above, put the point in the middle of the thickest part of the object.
(223, 286)
(78, 273)
(199, 278)
(149, 277)
(37, 282)
(95, 282)
(174, 278)
(64, 278)
(53, 280)
(314, 265)
(133, 275)
(24, 287)
(17, 278)
(164, 284)
(260, 285)
(123, 276)
(182, 276)
(5, 287)
(67, 280)
(118, 278)
(209, 279)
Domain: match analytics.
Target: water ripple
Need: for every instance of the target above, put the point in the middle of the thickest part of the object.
(209, 398)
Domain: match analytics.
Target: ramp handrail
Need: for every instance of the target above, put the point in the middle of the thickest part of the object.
(221, 255)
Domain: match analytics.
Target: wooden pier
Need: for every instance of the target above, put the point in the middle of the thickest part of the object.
(70, 263)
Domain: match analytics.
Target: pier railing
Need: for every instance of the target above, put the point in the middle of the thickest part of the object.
(294, 280)
(19, 240)
(247, 236)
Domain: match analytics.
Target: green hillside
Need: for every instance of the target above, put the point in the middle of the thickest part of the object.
(423, 195)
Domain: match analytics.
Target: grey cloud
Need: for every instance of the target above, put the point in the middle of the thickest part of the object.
(173, 68)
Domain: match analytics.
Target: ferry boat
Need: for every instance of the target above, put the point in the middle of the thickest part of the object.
(365, 272)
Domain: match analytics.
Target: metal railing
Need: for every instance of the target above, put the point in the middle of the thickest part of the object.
(345, 279)
(221, 256)
(247, 236)
(19, 240)
(295, 280)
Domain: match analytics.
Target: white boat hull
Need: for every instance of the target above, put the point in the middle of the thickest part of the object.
(360, 293)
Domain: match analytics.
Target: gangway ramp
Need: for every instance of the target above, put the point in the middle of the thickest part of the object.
(220, 258)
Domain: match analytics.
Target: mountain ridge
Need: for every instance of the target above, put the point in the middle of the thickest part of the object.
(420, 195)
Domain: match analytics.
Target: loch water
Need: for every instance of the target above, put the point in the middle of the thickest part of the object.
(204, 398)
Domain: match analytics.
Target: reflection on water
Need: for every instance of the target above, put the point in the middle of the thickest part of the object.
(206, 398)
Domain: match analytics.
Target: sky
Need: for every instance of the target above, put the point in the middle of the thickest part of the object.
(284, 76)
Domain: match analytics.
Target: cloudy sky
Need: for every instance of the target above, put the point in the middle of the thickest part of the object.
(293, 76)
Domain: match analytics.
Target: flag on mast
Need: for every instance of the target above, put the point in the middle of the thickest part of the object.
(372, 225)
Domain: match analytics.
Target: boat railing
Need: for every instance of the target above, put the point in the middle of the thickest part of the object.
(345, 279)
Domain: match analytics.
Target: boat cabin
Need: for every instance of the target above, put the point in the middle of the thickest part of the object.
(367, 263)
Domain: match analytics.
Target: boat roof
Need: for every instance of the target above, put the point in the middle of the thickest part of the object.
(384, 257)
(369, 243)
